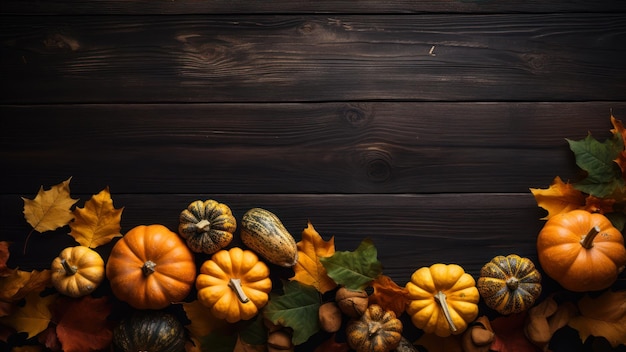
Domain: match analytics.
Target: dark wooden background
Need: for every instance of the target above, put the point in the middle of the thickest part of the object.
(419, 124)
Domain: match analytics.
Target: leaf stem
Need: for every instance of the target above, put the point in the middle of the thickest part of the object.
(27, 238)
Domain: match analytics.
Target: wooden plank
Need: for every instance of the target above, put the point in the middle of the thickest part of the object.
(409, 231)
(526, 57)
(296, 148)
(116, 7)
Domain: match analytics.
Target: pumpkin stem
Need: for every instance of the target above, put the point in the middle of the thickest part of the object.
(148, 267)
(203, 225)
(235, 285)
(587, 241)
(512, 283)
(440, 297)
(374, 328)
(69, 269)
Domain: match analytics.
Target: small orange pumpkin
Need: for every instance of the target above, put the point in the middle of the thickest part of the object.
(582, 251)
(151, 267)
(77, 271)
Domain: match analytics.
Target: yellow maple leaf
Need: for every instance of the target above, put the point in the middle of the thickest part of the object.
(98, 222)
(22, 283)
(202, 321)
(604, 315)
(560, 197)
(309, 269)
(33, 317)
(50, 209)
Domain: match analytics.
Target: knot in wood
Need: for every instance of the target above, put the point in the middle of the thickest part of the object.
(356, 116)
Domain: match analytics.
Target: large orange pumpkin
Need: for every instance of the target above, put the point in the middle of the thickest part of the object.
(151, 267)
(582, 251)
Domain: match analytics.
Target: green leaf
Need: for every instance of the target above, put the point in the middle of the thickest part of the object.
(603, 174)
(296, 308)
(217, 342)
(254, 332)
(354, 270)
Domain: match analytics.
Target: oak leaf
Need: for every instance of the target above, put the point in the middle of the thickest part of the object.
(50, 209)
(309, 269)
(560, 197)
(22, 283)
(82, 324)
(389, 295)
(33, 317)
(604, 316)
(98, 222)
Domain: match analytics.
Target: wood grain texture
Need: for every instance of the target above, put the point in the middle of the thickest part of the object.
(297, 148)
(116, 7)
(409, 231)
(105, 59)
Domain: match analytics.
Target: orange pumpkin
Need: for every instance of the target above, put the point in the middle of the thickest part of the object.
(582, 251)
(151, 267)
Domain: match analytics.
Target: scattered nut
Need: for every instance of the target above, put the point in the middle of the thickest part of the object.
(330, 317)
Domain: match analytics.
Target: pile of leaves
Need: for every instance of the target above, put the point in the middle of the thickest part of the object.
(43, 319)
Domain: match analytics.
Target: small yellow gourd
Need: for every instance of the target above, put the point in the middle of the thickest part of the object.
(443, 299)
(234, 284)
(77, 271)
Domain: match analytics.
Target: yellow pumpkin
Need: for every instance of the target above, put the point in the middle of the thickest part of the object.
(582, 251)
(234, 284)
(443, 299)
(376, 330)
(77, 271)
(509, 284)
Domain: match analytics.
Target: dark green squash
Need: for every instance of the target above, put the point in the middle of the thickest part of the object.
(149, 331)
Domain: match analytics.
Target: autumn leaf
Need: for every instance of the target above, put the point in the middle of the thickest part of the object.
(510, 335)
(98, 222)
(388, 294)
(50, 209)
(22, 283)
(598, 160)
(217, 342)
(560, 197)
(50, 339)
(434, 343)
(331, 345)
(309, 269)
(33, 317)
(4, 257)
(202, 321)
(545, 318)
(296, 308)
(354, 269)
(619, 130)
(604, 316)
(82, 323)
(254, 332)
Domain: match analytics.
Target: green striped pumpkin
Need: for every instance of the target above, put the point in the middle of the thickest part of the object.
(207, 226)
(149, 331)
(509, 284)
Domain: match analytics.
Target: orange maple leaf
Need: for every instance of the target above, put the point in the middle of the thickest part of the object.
(309, 269)
(4, 257)
(560, 197)
(83, 324)
(510, 335)
(388, 294)
(98, 222)
(594, 204)
(618, 128)
(33, 317)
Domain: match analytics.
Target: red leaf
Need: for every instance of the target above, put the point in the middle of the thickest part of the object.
(83, 324)
(510, 335)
